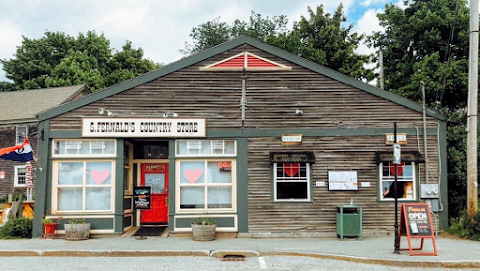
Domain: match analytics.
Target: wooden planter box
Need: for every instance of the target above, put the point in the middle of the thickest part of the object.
(203, 232)
(77, 232)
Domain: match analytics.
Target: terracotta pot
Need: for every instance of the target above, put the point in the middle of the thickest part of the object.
(50, 227)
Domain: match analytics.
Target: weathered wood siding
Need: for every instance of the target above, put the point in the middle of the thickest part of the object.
(272, 98)
(332, 153)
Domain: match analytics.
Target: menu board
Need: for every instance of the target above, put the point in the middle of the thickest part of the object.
(141, 197)
(342, 180)
(416, 217)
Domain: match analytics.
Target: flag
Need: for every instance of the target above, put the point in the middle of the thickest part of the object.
(20, 153)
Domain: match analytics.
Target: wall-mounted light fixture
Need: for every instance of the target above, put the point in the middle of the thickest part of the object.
(170, 114)
(102, 111)
(299, 112)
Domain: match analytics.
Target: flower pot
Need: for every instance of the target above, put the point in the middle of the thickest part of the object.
(77, 232)
(50, 229)
(203, 232)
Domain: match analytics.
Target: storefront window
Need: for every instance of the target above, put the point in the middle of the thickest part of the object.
(406, 181)
(205, 148)
(83, 186)
(291, 181)
(206, 184)
(84, 148)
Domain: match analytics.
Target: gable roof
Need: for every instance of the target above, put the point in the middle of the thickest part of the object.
(188, 61)
(23, 106)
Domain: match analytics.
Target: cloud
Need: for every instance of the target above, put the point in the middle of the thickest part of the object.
(11, 37)
(368, 24)
(368, 3)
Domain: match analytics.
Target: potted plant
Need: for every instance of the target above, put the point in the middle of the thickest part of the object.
(49, 226)
(77, 229)
(203, 229)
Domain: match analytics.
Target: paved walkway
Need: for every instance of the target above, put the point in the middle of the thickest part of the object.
(451, 252)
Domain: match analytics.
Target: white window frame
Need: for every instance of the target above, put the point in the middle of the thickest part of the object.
(307, 181)
(56, 186)
(211, 154)
(84, 155)
(16, 183)
(17, 136)
(233, 185)
(400, 181)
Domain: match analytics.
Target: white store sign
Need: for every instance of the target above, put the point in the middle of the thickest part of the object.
(143, 127)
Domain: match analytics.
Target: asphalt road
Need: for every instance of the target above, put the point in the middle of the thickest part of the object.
(187, 264)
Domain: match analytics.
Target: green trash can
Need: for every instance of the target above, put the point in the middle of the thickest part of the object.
(349, 221)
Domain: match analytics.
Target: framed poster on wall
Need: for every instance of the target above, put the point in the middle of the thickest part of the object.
(342, 180)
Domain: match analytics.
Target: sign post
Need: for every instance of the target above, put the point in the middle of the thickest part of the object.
(397, 159)
(416, 222)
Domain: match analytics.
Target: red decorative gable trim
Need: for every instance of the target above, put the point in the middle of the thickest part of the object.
(245, 60)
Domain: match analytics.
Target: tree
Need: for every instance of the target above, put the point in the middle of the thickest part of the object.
(322, 38)
(214, 32)
(428, 41)
(326, 40)
(61, 60)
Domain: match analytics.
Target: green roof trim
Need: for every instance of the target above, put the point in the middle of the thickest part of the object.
(191, 60)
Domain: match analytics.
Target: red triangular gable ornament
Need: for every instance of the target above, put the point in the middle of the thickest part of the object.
(247, 61)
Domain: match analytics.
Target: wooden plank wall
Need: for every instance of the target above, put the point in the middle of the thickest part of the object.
(332, 153)
(272, 99)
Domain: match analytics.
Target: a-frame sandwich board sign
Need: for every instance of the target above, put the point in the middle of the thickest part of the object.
(416, 223)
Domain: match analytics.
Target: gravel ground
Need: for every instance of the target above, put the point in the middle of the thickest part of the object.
(188, 264)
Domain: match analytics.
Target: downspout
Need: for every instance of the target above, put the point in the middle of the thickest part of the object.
(424, 110)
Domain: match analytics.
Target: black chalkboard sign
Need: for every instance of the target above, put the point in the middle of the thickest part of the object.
(141, 197)
(416, 216)
(416, 222)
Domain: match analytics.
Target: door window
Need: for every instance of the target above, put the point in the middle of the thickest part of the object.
(156, 181)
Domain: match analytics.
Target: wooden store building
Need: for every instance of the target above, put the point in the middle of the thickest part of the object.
(260, 140)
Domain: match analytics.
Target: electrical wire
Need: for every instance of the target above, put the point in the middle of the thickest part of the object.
(447, 53)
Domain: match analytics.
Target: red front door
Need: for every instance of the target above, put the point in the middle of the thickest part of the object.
(156, 176)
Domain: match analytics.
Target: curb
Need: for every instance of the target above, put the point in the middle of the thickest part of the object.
(438, 264)
(245, 253)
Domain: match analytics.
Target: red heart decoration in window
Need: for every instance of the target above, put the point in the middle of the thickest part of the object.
(99, 176)
(399, 168)
(192, 176)
(291, 169)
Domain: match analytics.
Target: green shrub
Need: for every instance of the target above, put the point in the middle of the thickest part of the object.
(17, 228)
(463, 228)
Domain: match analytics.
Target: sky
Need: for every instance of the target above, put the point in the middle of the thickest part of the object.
(160, 27)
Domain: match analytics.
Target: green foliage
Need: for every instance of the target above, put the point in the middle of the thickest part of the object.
(463, 228)
(204, 221)
(326, 40)
(47, 220)
(416, 47)
(321, 38)
(77, 221)
(17, 228)
(58, 59)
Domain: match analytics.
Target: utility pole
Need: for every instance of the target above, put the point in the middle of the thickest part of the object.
(380, 62)
(472, 194)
